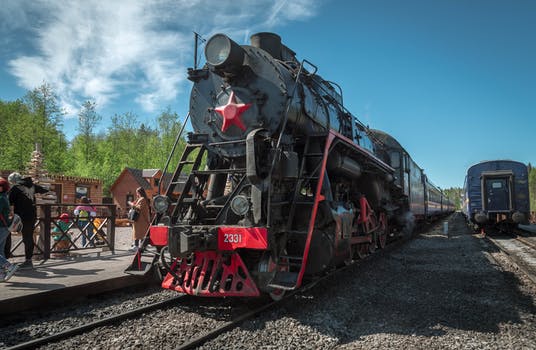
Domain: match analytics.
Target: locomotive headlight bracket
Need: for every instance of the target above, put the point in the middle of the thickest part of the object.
(240, 205)
(161, 204)
(222, 52)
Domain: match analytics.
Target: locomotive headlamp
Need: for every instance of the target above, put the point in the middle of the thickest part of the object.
(240, 205)
(221, 52)
(161, 204)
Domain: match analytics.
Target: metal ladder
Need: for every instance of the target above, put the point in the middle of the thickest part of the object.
(185, 199)
(289, 280)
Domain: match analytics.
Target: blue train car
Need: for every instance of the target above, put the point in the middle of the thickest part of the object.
(425, 200)
(496, 193)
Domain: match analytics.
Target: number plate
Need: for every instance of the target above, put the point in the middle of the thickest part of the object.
(231, 238)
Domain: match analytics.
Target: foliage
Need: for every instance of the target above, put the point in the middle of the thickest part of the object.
(455, 194)
(532, 187)
(45, 126)
(37, 118)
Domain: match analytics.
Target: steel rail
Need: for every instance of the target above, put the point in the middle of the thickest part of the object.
(514, 257)
(203, 338)
(219, 330)
(526, 242)
(92, 325)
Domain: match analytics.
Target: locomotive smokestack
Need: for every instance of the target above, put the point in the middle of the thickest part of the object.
(269, 42)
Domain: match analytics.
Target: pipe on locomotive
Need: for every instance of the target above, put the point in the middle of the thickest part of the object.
(223, 53)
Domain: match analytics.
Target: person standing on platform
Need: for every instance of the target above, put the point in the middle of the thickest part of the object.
(7, 269)
(22, 198)
(84, 211)
(141, 225)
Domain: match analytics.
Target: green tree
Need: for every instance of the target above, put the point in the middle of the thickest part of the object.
(45, 126)
(38, 118)
(87, 121)
(532, 187)
(454, 194)
(16, 144)
(169, 126)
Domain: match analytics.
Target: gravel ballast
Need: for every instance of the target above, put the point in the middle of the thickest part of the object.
(433, 292)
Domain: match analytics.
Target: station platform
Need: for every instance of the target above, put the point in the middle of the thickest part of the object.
(58, 281)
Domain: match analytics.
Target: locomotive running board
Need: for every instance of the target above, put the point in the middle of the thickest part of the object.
(284, 280)
(140, 265)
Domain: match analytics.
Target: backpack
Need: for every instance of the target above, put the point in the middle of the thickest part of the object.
(83, 214)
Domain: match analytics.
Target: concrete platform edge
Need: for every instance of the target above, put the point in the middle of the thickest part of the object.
(63, 296)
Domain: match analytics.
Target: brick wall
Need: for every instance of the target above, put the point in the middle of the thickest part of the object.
(125, 185)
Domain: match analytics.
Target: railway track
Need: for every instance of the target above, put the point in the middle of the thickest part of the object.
(206, 337)
(519, 249)
(222, 326)
(34, 343)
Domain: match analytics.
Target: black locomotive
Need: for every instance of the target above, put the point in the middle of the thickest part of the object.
(282, 182)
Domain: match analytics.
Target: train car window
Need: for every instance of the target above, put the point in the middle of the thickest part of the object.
(496, 184)
(406, 163)
(395, 160)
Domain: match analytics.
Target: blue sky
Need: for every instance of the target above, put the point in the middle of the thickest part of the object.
(453, 80)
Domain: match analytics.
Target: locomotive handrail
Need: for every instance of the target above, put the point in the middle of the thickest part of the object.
(312, 65)
(278, 145)
(344, 109)
(173, 151)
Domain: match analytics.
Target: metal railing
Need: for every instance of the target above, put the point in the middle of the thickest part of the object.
(58, 237)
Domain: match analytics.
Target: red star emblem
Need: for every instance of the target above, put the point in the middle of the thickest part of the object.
(231, 113)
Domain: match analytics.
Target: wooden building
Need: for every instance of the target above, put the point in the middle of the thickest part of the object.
(69, 189)
(124, 187)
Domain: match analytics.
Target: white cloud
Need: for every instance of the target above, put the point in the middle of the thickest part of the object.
(106, 50)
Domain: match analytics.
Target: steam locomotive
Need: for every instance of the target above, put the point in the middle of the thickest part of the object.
(278, 182)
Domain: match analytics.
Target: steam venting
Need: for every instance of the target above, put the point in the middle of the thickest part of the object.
(407, 220)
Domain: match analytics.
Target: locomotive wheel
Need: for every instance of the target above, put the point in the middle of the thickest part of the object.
(163, 267)
(372, 245)
(362, 250)
(268, 267)
(382, 233)
(382, 239)
(349, 259)
(278, 294)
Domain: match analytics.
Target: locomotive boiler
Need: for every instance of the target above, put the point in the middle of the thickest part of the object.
(278, 181)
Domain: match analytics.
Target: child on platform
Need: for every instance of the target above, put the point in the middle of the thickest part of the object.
(62, 237)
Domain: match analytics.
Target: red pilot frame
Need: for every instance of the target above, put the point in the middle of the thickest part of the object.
(222, 272)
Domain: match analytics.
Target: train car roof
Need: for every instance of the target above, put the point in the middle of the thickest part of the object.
(387, 139)
(499, 164)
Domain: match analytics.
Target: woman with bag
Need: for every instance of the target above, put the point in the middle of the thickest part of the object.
(140, 225)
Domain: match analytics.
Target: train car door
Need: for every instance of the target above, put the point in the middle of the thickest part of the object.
(497, 193)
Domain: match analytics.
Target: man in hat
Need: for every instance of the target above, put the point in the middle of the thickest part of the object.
(22, 198)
